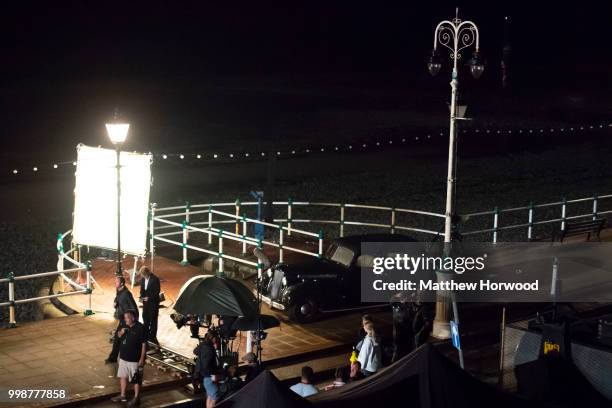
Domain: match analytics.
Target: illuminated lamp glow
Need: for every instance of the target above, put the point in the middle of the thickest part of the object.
(117, 132)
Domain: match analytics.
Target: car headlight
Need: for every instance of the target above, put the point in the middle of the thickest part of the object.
(284, 281)
(269, 273)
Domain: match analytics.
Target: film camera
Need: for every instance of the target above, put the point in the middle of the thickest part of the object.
(223, 332)
(193, 321)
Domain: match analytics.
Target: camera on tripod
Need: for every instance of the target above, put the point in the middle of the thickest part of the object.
(193, 321)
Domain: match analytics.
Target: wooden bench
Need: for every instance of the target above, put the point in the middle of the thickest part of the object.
(580, 228)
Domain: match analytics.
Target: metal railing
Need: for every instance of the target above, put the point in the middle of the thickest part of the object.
(183, 221)
(11, 279)
(523, 221)
(169, 223)
(525, 217)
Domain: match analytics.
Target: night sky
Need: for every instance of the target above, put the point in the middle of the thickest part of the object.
(66, 65)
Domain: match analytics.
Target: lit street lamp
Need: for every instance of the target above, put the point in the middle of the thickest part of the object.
(117, 132)
(456, 35)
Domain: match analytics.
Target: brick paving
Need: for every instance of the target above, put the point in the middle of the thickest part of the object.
(287, 340)
(66, 352)
(70, 351)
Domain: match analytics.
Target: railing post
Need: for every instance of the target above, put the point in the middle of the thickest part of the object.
(237, 216)
(392, 230)
(60, 260)
(320, 253)
(210, 225)
(563, 213)
(281, 240)
(187, 209)
(530, 227)
(594, 207)
(220, 272)
(152, 234)
(185, 261)
(244, 234)
(88, 311)
(341, 220)
(12, 322)
(495, 224)
(289, 215)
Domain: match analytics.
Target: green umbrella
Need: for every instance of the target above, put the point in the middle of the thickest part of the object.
(214, 295)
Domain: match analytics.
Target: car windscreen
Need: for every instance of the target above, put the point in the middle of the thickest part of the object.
(341, 255)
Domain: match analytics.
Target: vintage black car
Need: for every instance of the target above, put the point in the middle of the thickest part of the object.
(328, 284)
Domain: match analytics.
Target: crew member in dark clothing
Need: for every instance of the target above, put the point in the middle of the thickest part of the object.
(124, 301)
(133, 346)
(424, 314)
(403, 334)
(252, 369)
(207, 368)
(149, 295)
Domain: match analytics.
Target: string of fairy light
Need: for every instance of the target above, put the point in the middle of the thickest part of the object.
(346, 147)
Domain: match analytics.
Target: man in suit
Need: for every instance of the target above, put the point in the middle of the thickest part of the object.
(149, 295)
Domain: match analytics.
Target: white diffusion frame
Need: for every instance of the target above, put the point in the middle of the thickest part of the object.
(95, 199)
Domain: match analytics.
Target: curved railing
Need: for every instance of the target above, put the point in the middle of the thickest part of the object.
(234, 222)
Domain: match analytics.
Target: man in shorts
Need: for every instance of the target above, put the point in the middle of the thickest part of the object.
(132, 353)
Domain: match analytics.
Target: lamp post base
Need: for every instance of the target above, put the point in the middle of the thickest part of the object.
(441, 330)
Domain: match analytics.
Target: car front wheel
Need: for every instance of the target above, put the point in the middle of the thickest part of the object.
(303, 311)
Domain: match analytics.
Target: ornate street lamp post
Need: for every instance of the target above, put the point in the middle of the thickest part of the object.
(456, 35)
(117, 132)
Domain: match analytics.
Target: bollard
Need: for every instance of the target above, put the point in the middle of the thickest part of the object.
(220, 272)
(249, 342)
(12, 322)
(289, 215)
(320, 254)
(594, 207)
(341, 220)
(530, 228)
(281, 234)
(185, 261)
(495, 221)
(392, 221)
(210, 225)
(88, 311)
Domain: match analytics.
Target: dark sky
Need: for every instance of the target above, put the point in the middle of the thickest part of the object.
(102, 39)
(65, 65)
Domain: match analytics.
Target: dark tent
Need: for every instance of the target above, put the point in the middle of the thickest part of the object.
(265, 391)
(424, 379)
(558, 381)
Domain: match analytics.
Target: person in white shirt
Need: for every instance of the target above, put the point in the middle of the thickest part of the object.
(369, 354)
(305, 387)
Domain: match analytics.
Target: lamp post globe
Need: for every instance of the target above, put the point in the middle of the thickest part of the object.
(117, 132)
(476, 65)
(434, 65)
